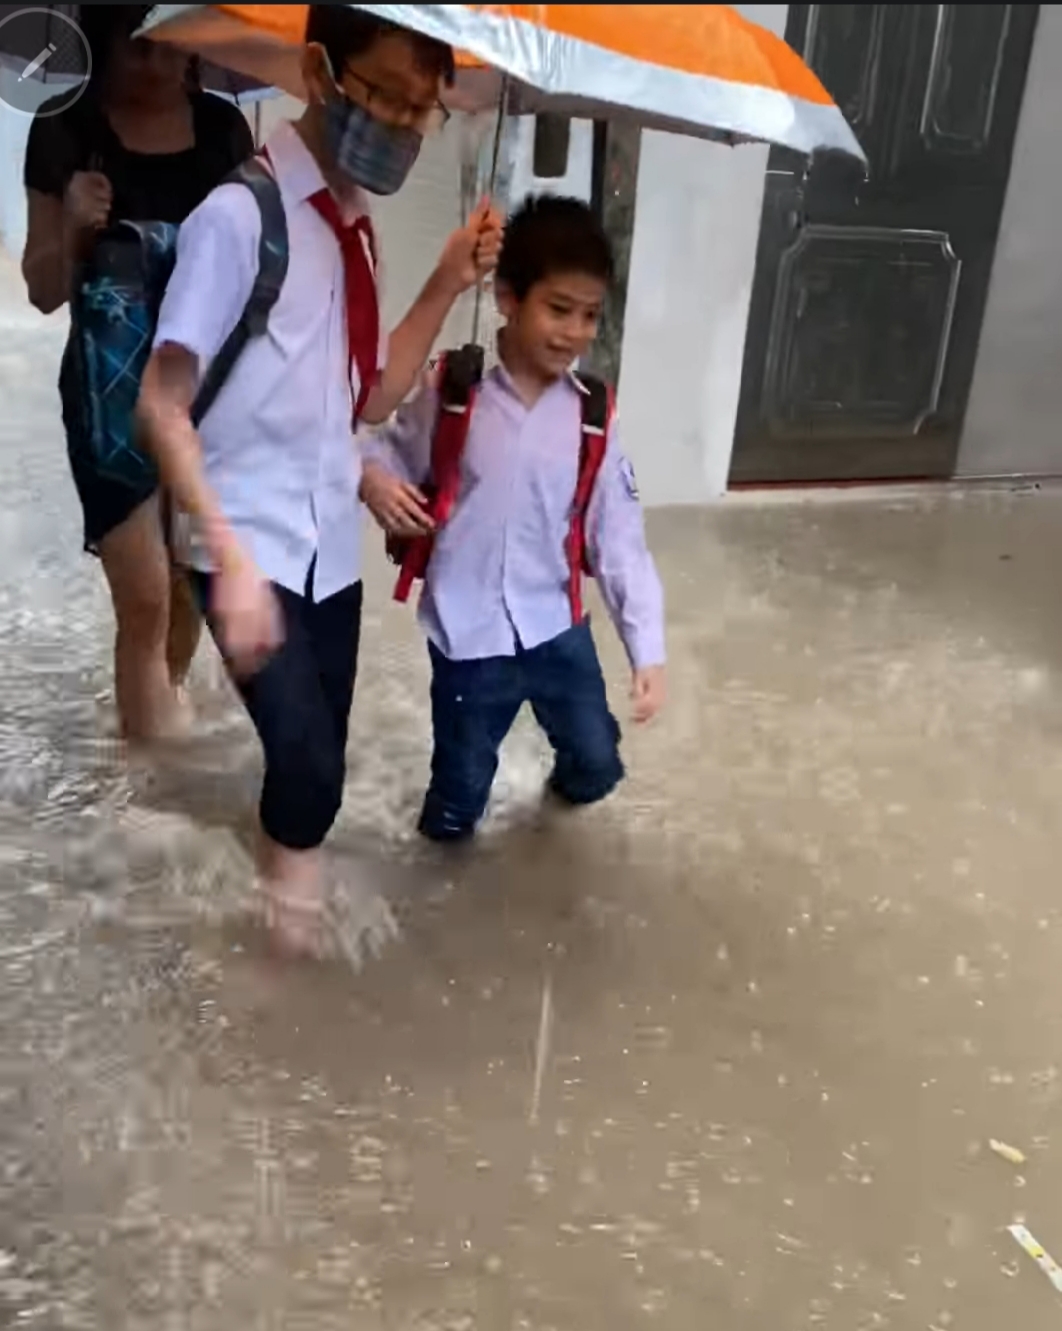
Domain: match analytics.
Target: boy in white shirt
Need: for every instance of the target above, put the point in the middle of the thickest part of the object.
(270, 480)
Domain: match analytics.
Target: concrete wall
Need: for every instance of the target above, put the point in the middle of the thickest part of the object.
(692, 263)
(1014, 419)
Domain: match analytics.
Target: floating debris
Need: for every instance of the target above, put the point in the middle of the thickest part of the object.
(1039, 1254)
(1009, 1153)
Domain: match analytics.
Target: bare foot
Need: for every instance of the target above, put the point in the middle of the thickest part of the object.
(171, 722)
(182, 717)
(295, 907)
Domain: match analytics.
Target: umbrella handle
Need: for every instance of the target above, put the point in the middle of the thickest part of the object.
(503, 99)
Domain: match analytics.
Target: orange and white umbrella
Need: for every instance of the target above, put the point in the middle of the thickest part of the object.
(692, 69)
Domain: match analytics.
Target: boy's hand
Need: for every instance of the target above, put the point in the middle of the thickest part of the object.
(472, 251)
(400, 508)
(648, 690)
(248, 615)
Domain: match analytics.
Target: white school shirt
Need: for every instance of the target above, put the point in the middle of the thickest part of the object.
(278, 442)
(498, 576)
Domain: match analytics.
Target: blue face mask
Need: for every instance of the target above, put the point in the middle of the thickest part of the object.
(372, 154)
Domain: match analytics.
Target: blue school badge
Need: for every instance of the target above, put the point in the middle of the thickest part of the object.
(631, 485)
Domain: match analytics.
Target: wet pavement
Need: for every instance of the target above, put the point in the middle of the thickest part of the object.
(725, 1051)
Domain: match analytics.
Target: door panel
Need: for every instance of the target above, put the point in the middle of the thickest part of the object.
(829, 366)
(869, 292)
(964, 73)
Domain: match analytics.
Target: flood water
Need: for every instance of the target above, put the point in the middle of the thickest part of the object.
(726, 1051)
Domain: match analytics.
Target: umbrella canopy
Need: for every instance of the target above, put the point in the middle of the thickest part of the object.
(691, 69)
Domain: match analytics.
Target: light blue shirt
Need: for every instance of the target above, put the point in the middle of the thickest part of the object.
(498, 576)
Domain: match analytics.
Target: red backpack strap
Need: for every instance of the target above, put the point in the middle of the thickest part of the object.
(596, 409)
(460, 374)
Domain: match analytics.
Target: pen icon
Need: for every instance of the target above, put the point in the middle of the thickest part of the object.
(37, 61)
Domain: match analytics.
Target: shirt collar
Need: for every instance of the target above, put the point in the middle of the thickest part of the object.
(570, 378)
(297, 172)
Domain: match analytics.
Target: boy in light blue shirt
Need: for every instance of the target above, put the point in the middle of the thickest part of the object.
(497, 605)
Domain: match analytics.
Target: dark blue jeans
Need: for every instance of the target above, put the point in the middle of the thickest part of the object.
(299, 703)
(474, 704)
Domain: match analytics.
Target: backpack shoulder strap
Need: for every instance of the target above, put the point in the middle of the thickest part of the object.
(272, 270)
(596, 412)
(595, 408)
(460, 375)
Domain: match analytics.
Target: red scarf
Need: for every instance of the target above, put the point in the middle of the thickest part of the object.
(362, 300)
(363, 309)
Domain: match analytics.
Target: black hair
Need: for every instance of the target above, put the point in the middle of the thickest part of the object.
(550, 235)
(345, 33)
(101, 24)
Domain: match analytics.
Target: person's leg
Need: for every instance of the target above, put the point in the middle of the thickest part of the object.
(304, 768)
(473, 707)
(186, 621)
(335, 631)
(569, 700)
(184, 629)
(137, 569)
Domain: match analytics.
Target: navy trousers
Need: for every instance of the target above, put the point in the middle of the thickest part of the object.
(474, 704)
(299, 703)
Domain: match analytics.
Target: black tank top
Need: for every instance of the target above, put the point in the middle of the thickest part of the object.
(159, 187)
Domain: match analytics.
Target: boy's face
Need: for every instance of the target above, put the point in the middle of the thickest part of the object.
(387, 80)
(556, 321)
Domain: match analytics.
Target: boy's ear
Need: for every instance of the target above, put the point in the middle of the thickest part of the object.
(316, 72)
(505, 299)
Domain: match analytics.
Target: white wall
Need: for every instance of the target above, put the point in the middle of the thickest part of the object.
(1014, 418)
(696, 228)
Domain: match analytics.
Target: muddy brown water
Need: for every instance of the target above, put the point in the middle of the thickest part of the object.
(725, 1051)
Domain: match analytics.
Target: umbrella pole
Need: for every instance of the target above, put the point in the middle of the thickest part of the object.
(503, 99)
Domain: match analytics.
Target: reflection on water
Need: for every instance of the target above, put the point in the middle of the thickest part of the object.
(723, 1051)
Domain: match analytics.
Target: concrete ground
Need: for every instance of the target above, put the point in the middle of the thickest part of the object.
(728, 1051)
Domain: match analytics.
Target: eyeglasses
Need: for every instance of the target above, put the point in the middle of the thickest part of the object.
(395, 109)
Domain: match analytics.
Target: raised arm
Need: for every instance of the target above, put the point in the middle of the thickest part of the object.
(468, 256)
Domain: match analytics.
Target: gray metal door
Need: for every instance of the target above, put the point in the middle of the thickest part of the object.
(869, 293)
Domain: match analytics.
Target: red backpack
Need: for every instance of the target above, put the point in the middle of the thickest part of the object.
(460, 375)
